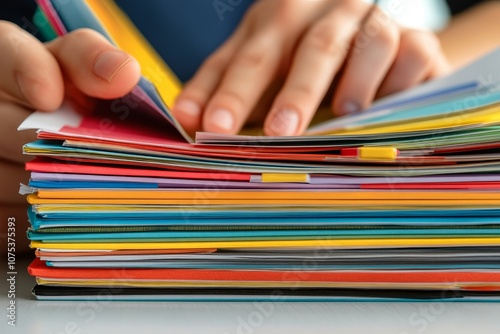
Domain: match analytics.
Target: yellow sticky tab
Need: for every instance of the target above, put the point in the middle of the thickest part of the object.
(285, 178)
(377, 153)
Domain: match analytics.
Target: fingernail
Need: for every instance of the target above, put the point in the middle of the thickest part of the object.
(188, 107)
(109, 63)
(350, 107)
(285, 123)
(223, 119)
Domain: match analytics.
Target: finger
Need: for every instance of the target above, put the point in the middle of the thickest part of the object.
(442, 66)
(317, 59)
(29, 74)
(265, 103)
(416, 61)
(374, 50)
(196, 93)
(11, 140)
(94, 66)
(11, 175)
(249, 74)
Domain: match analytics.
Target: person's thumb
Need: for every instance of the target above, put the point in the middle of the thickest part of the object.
(94, 66)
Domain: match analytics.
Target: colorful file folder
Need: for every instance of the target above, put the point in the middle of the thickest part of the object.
(398, 203)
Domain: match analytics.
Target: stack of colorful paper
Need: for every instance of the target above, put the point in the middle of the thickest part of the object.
(401, 202)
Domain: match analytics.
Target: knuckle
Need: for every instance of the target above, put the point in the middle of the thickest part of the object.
(322, 38)
(215, 62)
(254, 57)
(301, 92)
(380, 29)
(232, 98)
(420, 46)
(83, 35)
(388, 37)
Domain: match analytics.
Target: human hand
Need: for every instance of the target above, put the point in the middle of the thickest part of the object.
(36, 76)
(285, 55)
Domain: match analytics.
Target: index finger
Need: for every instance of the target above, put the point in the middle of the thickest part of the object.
(319, 56)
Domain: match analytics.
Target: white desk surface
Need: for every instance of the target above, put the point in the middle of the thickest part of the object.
(34, 317)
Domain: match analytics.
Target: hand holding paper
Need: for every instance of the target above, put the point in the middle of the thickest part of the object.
(32, 79)
(307, 45)
(229, 217)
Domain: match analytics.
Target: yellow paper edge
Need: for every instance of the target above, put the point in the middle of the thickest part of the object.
(200, 196)
(33, 199)
(489, 115)
(129, 39)
(347, 243)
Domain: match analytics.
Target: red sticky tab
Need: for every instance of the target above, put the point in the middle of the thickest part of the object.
(349, 152)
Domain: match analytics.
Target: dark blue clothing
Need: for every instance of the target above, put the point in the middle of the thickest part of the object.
(185, 32)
